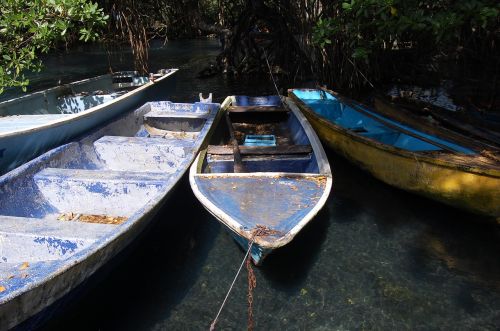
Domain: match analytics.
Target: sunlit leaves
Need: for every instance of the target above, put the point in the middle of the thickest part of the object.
(33, 27)
(323, 31)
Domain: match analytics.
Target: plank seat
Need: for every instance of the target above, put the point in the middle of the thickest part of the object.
(101, 192)
(159, 113)
(259, 109)
(260, 150)
(33, 239)
(143, 154)
(171, 120)
(51, 227)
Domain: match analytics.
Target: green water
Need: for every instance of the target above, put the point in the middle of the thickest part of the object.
(375, 258)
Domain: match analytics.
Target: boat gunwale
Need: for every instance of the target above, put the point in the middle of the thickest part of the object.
(51, 89)
(488, 169)
(83, 114)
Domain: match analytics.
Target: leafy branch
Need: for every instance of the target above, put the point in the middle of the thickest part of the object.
(34, 27)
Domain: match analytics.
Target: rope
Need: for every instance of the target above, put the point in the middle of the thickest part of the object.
(361, 73)
(212, 326)
(272, 77)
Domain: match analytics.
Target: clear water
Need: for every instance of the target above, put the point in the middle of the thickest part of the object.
(375, 258)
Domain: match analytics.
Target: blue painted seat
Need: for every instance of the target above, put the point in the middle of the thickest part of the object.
(83, 191)
(187, 117)
(142, 153)
(34, 239)
(247, 198)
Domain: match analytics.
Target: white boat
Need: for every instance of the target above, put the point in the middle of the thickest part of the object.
(34, 123)
(69, 211)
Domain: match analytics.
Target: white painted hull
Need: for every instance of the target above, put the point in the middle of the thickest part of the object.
(19, 146)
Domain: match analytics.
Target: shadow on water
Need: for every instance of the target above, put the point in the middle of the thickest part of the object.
(463, 247)
(288, 267)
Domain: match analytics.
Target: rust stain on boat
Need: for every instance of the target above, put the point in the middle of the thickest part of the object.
(87, 218)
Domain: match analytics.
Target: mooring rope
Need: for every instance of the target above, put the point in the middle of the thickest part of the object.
(212, 326)
(272, 76)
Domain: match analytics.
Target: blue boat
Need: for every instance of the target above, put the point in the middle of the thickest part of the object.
(66, 213)
(34, 123)
(264, 174)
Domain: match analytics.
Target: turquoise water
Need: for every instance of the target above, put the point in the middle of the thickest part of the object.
(375, 258)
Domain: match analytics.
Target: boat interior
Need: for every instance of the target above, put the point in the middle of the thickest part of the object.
(269, 138)
(276, 182)
(365, 123)
(68, 198)
(74, 97)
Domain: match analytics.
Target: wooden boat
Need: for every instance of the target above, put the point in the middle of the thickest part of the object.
(264, 174)
(440, 121)
(66, 213)
(402, 156)
(32, 124)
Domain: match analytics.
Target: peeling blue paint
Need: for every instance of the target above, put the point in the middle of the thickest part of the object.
(99, 188)
(61, 245)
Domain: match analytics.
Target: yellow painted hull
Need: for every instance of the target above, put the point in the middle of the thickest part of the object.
(471, 188)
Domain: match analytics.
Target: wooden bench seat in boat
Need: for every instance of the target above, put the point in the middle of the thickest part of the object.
(281, 158)
(258, 109)
(51, 238)
(50, 226)
(260, 150)
(142, 153)
(83, 191)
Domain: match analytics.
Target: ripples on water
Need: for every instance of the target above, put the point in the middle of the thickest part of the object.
(374, 258)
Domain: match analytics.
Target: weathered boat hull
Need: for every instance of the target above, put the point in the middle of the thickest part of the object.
(448, 179)
(278, 192)
(257, 252)
(123, 169)
(38, 133)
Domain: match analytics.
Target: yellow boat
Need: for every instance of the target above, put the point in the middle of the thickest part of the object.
(402, 156)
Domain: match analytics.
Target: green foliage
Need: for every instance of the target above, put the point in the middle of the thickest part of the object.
(30, 28)
(370, 25)
(322, 32)
(360, 32)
